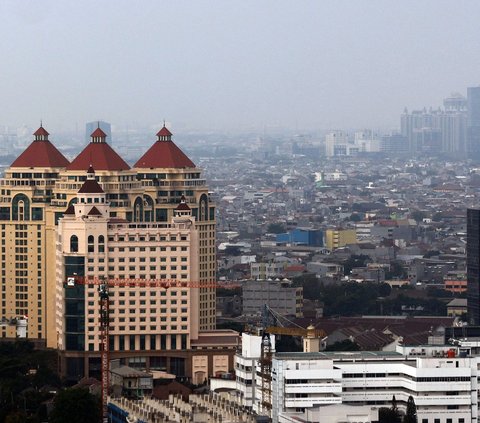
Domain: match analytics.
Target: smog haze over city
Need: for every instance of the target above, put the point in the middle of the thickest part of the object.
(239, 211)
(230, 65)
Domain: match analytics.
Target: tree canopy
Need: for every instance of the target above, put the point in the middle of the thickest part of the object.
(23, 372)
(75, 405)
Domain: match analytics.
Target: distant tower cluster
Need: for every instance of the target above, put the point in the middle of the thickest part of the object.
(104, 126)
(441, 130)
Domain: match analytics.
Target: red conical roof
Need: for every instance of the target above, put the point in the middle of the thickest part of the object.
(98, 133)
(101, 156)
(41, 153)
(94, 212)
(41, 131)
(164, 132)
(183, 206)
(90, 186)
(164, 154)
(70, 210)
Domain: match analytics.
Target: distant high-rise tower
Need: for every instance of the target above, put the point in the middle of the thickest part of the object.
(473, 121)
(104, 126)
(473, 265)
(336, 144)
(445, 130)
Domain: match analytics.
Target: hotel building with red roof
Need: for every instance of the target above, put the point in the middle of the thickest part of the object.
(40, 194)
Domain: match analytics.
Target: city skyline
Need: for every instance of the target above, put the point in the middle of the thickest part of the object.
(234, 66)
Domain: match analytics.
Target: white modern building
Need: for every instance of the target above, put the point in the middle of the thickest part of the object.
(334, 387)
(336, 144)
(444, 388)
(245, 367)
(266, 270)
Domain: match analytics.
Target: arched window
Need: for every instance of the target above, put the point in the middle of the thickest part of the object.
(101, 244)
(148, 208)
(91, 245)
(74, 244)
(21, 207)
(203, 208)
(138, 210)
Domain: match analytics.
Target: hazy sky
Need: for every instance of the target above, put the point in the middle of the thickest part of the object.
(231, 64)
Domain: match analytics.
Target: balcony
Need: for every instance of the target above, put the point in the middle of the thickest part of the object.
(310, 402)
(313, 388)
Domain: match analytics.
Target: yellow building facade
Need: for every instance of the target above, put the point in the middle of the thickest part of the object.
(336, 238)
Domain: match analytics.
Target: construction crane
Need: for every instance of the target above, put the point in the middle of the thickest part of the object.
(104, 303)
(105, 349)
(142, 283)
(270, 322)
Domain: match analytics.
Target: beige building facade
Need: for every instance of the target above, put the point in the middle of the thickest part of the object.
(153, 221)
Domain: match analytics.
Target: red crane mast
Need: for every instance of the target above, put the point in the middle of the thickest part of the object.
(103, 287)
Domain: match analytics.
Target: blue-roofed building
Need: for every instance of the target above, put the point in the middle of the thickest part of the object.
(302, 236)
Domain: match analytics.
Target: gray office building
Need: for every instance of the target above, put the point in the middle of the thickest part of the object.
(473, 121)
(281, 297)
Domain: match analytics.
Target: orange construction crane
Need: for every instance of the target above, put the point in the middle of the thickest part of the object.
(280, 330)
(143, 283)
(105, 352)
(270, 320)
(103, 286)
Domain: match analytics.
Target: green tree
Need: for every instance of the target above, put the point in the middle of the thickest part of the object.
(354, 260)
(389, 415)
(431, 253)
(310, 284)
(19, 386)
(411, 415)
(75, 406)
(16, 417)
(396, 271)
(355, 217)
(418, 215)
(384, 290)
(276, 228)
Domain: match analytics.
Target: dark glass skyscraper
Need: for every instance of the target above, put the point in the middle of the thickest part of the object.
(473, 121)
(473, 265)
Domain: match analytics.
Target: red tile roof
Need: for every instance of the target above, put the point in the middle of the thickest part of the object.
(101, 156)
(164, 132)
(94, 212)
(90, 186)
(41, 153)
(164, 154)
(41, 131)
(70, 210)
(183, 206)
(98, 133)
